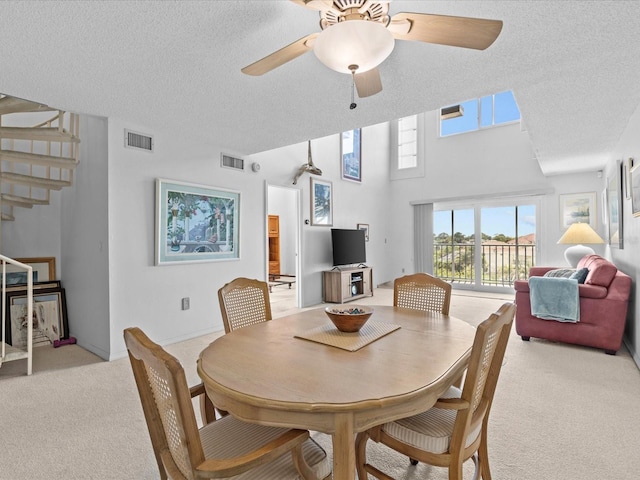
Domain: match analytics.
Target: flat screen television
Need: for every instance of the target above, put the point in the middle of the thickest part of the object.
(348, 246)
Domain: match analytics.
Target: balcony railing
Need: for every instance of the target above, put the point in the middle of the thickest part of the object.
(501, 264)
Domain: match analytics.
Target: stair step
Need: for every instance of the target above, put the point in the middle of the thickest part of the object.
(16, 105)
(24, 202)
(38, 159)
(45, 134)
(39, 182)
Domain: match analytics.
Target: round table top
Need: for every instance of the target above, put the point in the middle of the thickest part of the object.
(267, 364)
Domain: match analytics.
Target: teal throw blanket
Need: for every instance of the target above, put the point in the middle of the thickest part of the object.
(555, 298)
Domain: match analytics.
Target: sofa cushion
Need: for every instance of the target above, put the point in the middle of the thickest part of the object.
(580, 275)
(560, 272)
(601, 270)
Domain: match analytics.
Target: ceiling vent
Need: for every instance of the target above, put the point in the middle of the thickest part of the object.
(139, 141)
(227, 161)
(451, 112)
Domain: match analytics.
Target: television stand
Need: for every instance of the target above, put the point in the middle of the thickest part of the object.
(347, 284)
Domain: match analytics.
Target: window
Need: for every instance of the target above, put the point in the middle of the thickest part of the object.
(489, 111)
(487, 245)
(406, 147)
(408, 142)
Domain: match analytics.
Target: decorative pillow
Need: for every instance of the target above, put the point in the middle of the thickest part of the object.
(560, 272)
(580, 275)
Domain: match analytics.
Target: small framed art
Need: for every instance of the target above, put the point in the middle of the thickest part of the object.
(321, 202)
(635, 190)
(365, 227)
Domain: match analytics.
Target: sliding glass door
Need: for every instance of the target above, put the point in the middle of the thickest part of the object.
(484, 245)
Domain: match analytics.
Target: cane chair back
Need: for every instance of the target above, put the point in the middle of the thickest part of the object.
(223, 448)
(455, 428)
(422, 291)
(244, 302)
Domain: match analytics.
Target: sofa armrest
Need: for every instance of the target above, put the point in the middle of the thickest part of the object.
(592, 291)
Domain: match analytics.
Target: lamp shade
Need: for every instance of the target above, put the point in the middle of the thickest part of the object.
(363, 43)
(580, 233)
(576, 235)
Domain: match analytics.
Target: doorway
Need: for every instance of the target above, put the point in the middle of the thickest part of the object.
(283, 272)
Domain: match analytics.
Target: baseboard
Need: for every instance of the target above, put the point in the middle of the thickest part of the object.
(634, 354)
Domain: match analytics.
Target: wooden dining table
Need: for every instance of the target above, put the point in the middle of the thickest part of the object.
(267, 374)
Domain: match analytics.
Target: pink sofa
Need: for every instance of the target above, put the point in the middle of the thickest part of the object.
(604, 298)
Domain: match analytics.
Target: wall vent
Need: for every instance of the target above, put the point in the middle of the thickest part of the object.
(139, 141)
(227, 161)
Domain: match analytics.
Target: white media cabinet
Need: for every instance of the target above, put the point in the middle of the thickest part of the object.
(347, 284)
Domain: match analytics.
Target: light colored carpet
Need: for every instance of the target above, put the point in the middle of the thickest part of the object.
(560, 413)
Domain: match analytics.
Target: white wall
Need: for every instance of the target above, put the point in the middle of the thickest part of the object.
(628, 259)
(487, 164)
(109, 219)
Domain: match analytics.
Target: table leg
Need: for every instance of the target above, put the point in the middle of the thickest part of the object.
(344, 450)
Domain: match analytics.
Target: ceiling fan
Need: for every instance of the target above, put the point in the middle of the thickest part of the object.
(358, 35)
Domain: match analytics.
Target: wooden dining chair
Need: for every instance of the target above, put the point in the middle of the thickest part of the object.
(243, 302)
(222, 448)
(455, 429)
(422, 291)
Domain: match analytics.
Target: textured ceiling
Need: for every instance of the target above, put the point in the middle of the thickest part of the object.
(174, 66)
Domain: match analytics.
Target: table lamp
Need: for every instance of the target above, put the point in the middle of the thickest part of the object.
(576, 235)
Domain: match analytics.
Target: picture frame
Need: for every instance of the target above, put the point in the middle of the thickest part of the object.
(49, 317)
(321, 202)
(365, 227)
(628, 165)
(635, 190)
(44, 270)
(614, 207)
(350, 153)
(578, 207)
(195, 223)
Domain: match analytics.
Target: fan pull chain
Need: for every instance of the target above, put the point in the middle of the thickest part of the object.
(353, 69)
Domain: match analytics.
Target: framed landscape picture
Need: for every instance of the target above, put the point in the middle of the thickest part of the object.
(44, 270)
(578, 208)
(195, 223)
(350, 152)
(321, 202)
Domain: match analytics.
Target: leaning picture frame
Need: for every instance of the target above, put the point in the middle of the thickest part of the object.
(635, 190)
(44, 270)
(195, 223)
(50, 320)
(578, 208)
(321, 202)
(350, 153)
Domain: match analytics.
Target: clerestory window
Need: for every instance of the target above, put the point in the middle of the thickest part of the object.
(492, 110)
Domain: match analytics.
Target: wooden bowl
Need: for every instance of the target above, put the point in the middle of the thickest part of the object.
(349, 318)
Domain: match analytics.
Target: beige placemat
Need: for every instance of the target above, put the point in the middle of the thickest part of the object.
(330, 335)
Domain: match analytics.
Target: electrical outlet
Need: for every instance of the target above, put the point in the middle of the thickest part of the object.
(185, 303)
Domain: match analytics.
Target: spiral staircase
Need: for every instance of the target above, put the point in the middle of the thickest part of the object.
(37, 156)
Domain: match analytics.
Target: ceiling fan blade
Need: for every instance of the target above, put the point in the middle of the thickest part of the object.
(466, 32)
(315, 4)
(282, 56)
(368, 83)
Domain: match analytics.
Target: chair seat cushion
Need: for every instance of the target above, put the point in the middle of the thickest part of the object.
(429, 431)
(229, 437)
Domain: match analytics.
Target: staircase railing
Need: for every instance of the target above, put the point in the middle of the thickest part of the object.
(9, 352)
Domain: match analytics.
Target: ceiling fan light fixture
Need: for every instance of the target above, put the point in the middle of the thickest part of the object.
(354, 42)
